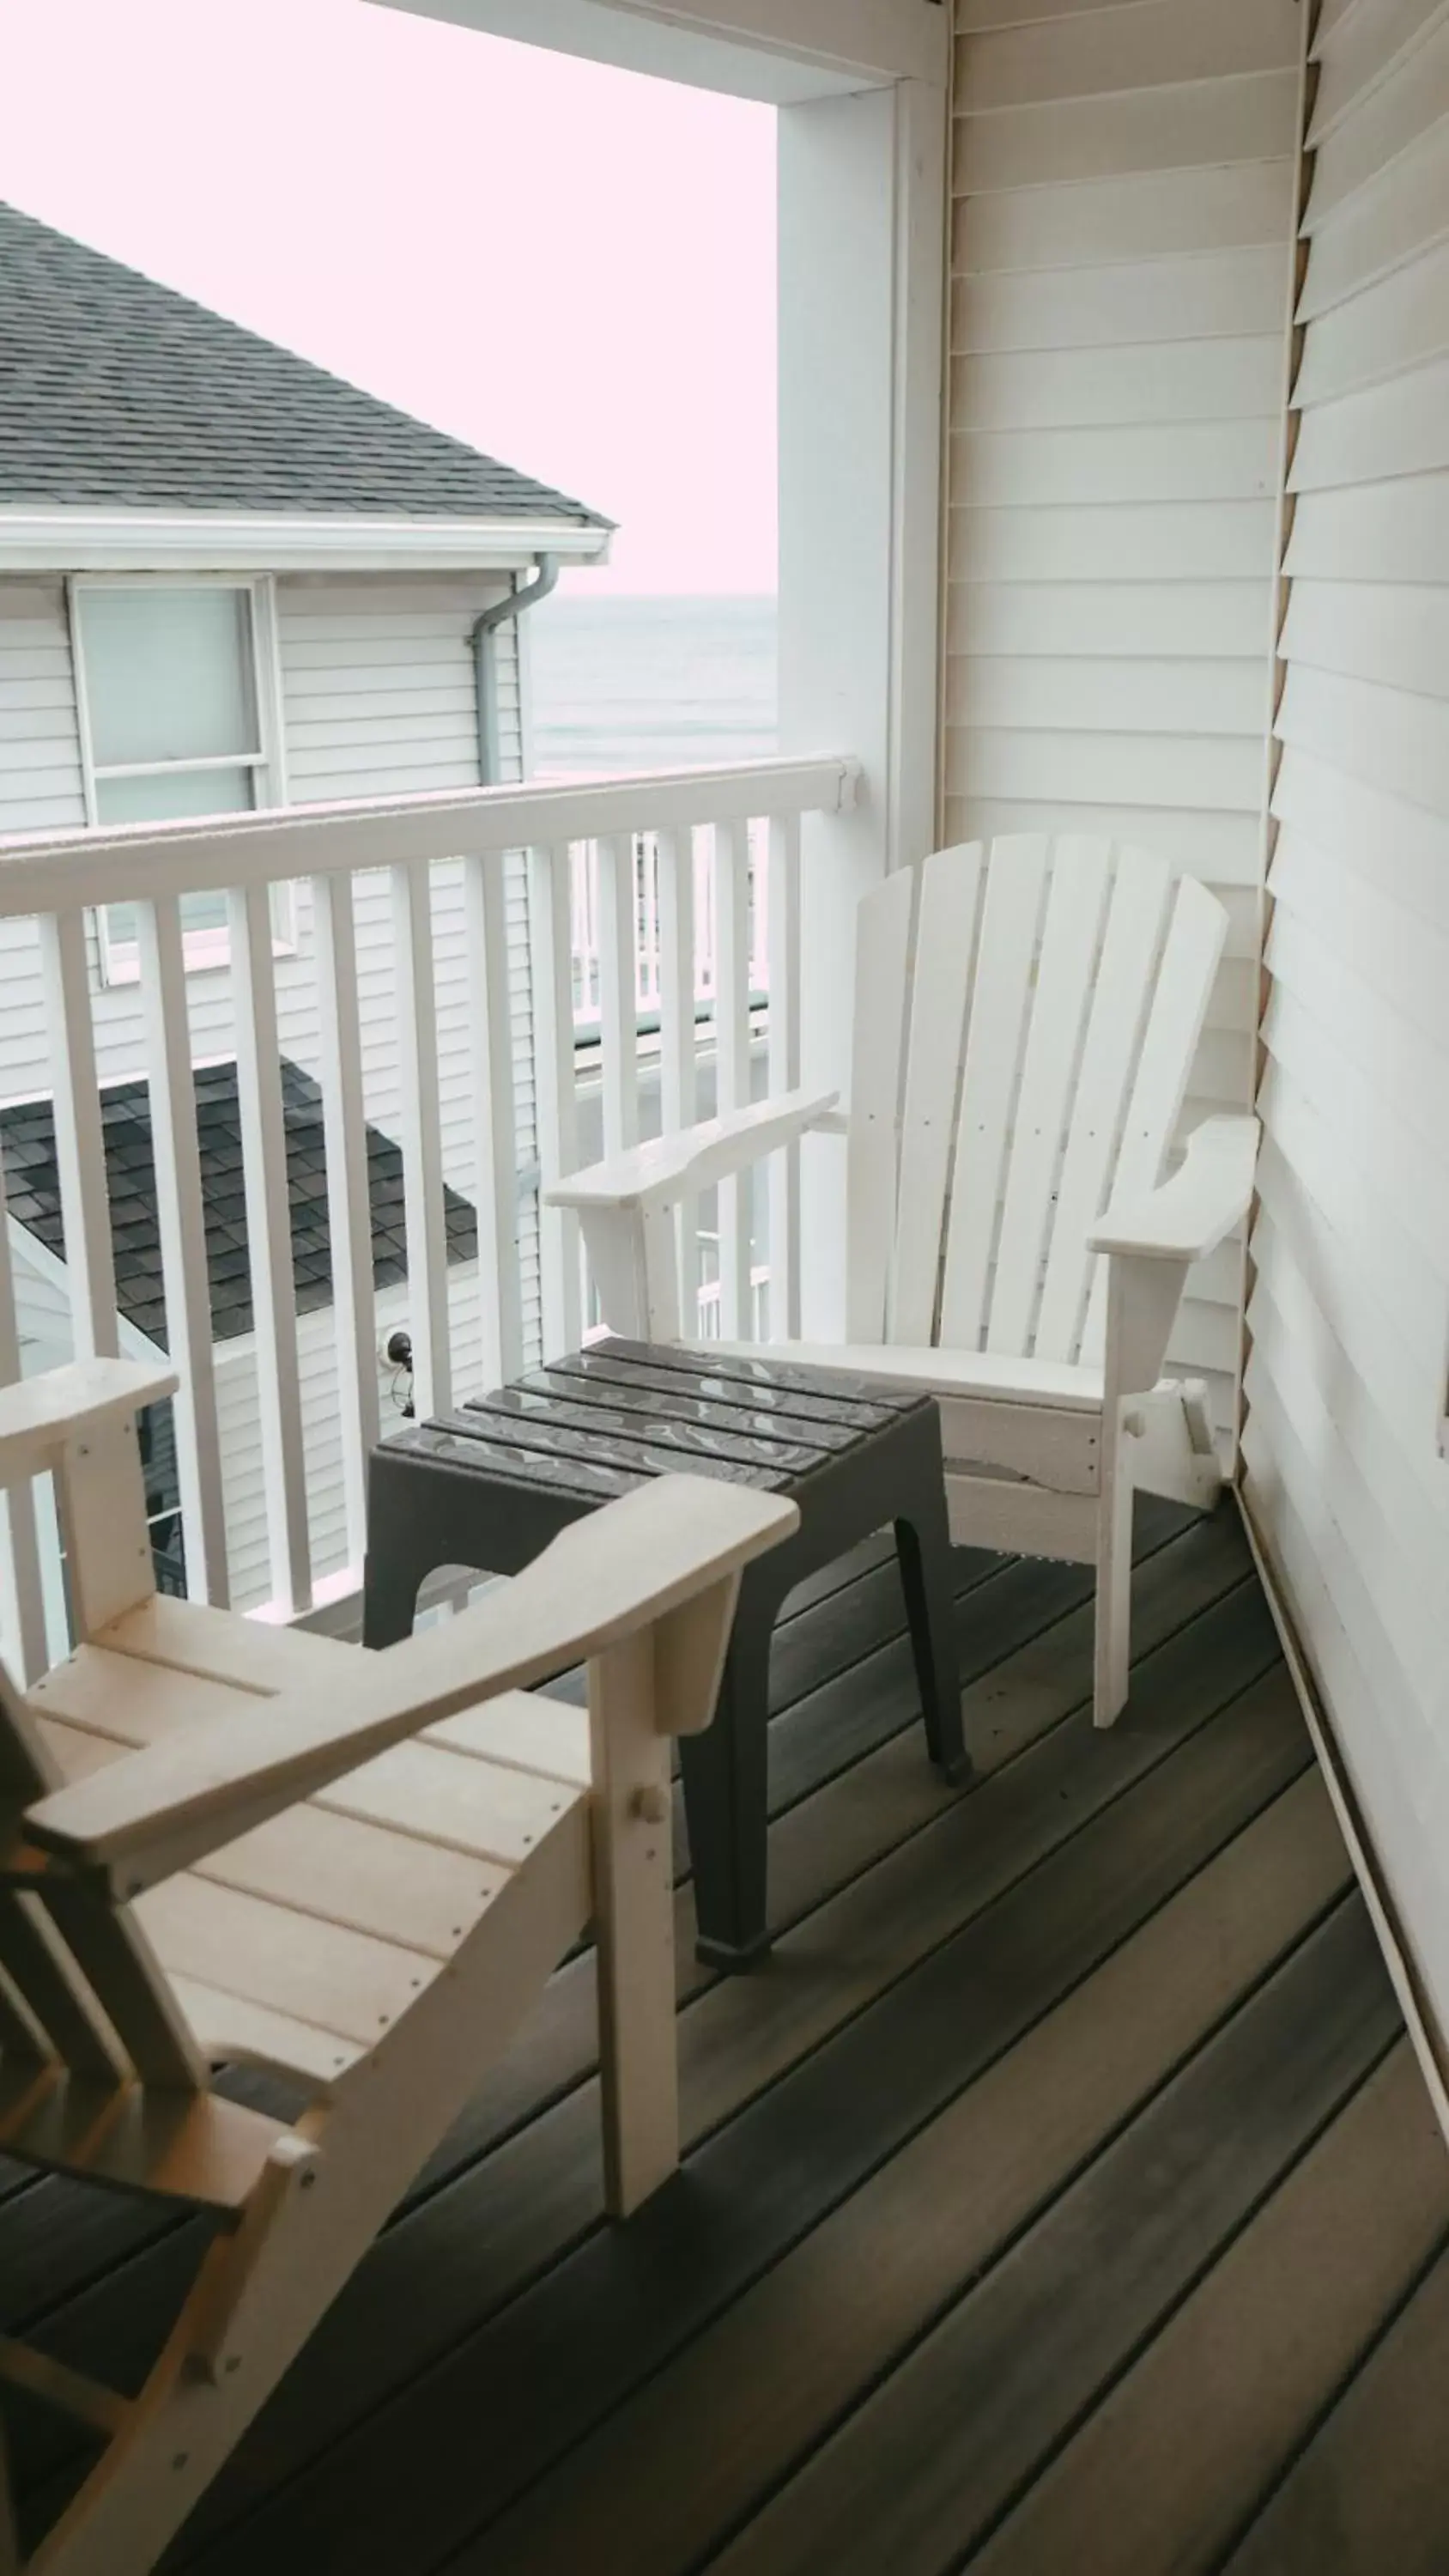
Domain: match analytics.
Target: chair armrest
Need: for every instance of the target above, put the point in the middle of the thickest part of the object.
(627, 1567)
(39, 1415)
(676, 1166)
(1186, 1216)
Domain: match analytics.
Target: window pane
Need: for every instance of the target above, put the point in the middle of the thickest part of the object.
(168, 673)
(152, 800)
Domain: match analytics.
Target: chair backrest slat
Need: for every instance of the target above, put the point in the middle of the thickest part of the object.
(20, 2033)
(50, 1986)
(1070, 937)
(1026, 1065)
(1006, 954)
(882, 962)
(80, 1968)
(1136, 919)
(1190, 960)
(946, 932)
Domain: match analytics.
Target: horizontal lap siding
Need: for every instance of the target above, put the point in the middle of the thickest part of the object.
(1121, 231)
(1349, 1314)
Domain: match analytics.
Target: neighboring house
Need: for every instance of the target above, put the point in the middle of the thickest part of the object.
(229, 579)
(28, 1148)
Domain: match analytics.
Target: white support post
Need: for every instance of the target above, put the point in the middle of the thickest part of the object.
(269, 1244)
(495, 1186)
(783, 950)
(862, 231)
(422, 1137)
(79, 1136)
(549, 912)
(181, 1220)
(732, 1062)
(678, 1036)
(349, 1215)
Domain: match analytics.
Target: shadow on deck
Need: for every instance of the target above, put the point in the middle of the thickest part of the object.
(1062, 2195)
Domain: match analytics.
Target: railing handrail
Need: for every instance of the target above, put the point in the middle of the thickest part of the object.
(58, 872)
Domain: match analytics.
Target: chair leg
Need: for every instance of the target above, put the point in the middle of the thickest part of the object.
(391, 1582)
(726, 1796)
(634, 1922)
(923, 1551)
(10, 2559)
(1112, 1653)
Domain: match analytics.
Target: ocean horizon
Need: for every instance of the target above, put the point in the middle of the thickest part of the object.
(663, 682)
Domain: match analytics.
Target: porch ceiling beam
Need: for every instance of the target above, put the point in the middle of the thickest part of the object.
(781, 51)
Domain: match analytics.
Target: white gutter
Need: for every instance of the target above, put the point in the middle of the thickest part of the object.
(85, 540)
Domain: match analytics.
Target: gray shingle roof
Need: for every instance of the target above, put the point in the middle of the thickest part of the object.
(117, 393)
(32, 1192)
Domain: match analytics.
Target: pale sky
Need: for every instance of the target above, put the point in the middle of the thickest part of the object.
(570, 267)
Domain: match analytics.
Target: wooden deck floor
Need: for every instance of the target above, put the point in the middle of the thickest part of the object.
(1062, 2196)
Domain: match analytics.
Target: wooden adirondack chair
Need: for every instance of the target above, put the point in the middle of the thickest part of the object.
(355, 1869)
(1026, 1017)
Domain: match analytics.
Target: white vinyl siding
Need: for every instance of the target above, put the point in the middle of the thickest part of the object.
(41, 789)
(378, 699)
(1122, 227)
(1349, 1311)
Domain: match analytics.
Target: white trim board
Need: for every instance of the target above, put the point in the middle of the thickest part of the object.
(83, 540)
(1428, 2042)
(783, 52)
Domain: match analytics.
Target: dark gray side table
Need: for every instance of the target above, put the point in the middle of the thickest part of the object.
(490, 1485)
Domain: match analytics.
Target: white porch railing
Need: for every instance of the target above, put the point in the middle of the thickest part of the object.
(398, 995)
(650, 868)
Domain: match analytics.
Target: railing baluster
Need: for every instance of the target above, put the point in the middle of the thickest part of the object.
(782, 950)
(349, 1213)
(556, 1091)
(79, 1136)
(732, 1061)
(422, 1137)
(678, 1043)
(269, 1243)
(22, 1598)
(495, 1184)
(618, 1005)
(181, 1222)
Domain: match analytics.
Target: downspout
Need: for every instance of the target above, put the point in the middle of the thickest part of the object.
(485, 661)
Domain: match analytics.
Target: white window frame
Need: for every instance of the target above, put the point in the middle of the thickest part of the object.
(202, 950)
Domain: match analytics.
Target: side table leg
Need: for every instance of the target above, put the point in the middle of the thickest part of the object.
(923, 1549)
(725, 1773)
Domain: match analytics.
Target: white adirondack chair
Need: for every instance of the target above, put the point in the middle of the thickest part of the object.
(356, 1869)
(1026, 1017)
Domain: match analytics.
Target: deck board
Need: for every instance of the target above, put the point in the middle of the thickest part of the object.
(1370, 2494)
(1056, 2090)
